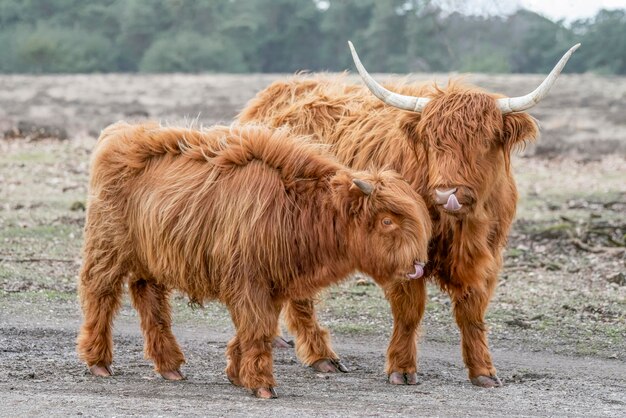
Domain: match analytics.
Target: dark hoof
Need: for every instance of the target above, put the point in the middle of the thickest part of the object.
(280, 342)
(399, 378)
(327, 365)
(265, 393)
(487, 381)
(101, 370)
(174, 375)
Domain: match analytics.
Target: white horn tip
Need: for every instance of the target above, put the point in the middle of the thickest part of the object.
(575, 47)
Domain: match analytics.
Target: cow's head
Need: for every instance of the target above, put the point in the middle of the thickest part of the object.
(387, 223)
(467, 135)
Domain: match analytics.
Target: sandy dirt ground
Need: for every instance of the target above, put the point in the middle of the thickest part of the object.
(557, 321)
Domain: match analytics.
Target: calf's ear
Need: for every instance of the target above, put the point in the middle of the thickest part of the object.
(518, 128)
(348, 193)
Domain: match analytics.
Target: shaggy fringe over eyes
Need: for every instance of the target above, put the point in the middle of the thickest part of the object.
(458, 121)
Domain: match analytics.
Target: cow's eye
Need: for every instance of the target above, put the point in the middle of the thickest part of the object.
(387, 221)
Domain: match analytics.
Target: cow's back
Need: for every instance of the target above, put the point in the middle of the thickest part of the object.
(361, 130)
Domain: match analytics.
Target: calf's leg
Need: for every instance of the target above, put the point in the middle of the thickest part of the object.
(100, 289)
(151, 300)
(255, 319)
(407, 300)
(313, 346)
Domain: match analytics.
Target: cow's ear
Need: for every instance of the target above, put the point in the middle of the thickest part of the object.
(407, 123)
(518, 128)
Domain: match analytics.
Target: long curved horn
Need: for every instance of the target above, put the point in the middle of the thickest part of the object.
(414, 104)
(519, 104)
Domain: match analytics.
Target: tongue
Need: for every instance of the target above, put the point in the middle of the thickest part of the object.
(452, 204)
(419, 271)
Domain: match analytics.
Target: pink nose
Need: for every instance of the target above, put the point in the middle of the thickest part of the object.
(448, 199)
(442, 196)
(454, 198)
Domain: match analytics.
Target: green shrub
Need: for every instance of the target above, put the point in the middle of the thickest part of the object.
(192, 52)
(55, 50)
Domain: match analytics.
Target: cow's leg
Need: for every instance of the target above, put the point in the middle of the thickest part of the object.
(279, 342)
(100, 288)
(152, 302)
(233, 359)
(313, 346)
(407, 300)
(256, 320)
(469, 306)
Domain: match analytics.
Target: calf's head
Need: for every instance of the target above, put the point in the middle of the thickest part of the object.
(467, 136)
(387, 223)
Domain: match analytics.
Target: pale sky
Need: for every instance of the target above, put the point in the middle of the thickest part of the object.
(569, 10)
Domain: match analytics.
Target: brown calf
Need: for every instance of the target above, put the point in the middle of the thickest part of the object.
(246, 215)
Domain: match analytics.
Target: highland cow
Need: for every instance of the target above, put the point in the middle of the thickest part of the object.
(246, 215)
(453, 146)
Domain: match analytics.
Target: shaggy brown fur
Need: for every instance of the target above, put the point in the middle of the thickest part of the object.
(460, 140)
(250, 216)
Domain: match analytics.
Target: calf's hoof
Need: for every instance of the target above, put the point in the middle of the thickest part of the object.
(280, 342)
(400, 378)
(265, 393)
(486, 381)
(329, 365)
(101, 370)
(174, 375)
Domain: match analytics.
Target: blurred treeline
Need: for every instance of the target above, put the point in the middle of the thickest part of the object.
(68, 36)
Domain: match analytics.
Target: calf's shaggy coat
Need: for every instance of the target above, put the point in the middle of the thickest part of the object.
(246, 215)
